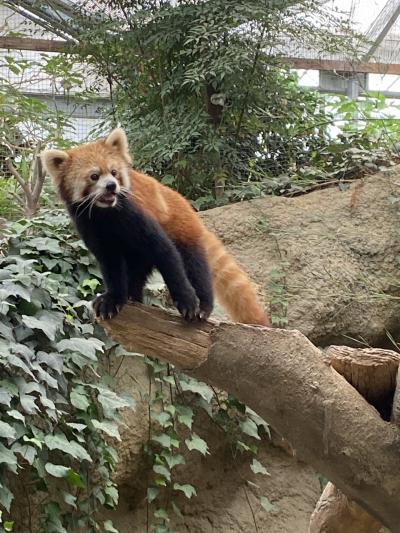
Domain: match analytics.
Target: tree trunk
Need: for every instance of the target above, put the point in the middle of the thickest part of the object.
(373, 373)
(285, 379)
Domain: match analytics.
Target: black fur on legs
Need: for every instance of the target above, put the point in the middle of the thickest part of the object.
(198, 272)
(128, 245)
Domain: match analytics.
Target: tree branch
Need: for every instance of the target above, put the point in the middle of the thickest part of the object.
(285, 379)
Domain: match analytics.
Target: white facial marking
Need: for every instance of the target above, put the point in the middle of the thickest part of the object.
(100, 188)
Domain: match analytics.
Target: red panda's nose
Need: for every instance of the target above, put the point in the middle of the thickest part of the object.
(111, 186)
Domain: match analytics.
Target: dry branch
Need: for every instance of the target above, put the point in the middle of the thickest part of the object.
(285, 379)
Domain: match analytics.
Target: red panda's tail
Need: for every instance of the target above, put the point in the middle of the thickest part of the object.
(233, 288)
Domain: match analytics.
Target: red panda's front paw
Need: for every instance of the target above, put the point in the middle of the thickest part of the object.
(187, 305)
(106, 306)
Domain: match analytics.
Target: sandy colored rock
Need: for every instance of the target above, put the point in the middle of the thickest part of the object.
(340, 263)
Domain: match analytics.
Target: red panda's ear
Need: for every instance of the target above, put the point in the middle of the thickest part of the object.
(118, 141)
(53, 160)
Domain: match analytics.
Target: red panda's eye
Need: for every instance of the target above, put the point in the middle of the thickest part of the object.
(94, 177)
(114, 173)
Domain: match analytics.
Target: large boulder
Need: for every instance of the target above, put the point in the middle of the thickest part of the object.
(331, 255)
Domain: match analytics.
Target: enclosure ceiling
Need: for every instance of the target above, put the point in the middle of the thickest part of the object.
(56, 16)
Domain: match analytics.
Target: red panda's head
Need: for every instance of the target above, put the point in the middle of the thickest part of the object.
(95, 172)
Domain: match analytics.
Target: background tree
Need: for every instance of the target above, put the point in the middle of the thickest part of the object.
(208, 105)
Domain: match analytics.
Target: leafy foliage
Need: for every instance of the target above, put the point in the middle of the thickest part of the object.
(56, 405)
(175, 400)
(208, 105)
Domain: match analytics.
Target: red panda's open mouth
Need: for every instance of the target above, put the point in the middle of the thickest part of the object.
(108, 199)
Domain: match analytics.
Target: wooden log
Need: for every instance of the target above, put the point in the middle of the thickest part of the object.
(282, 376)
(372, 371)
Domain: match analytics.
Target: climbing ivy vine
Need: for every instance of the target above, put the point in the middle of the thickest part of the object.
(56, 403)
(58, 409)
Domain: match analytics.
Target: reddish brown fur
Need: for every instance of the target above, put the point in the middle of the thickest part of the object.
(176, 216)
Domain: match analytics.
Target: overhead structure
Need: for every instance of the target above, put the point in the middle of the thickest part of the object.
(337, 73)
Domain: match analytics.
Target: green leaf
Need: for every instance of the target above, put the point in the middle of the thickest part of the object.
(110, 401)
(7, 431)
(108, 427)
(74, 479)
(173, 460)
(48, 327)
(163, 418)
(111, 493)
(86, 347)
(163, 471)
(16, 414)
(161, 513)
(258, 468)
(69, 499)
(27, 452)
(8, 525)
(185, 415)
(152, 493)
(56, 470)
(60, 442)
(188, 490)
(176, 509)
(163, 439)
(7, 456)
(108, 526)
(79, 399)
(6, 497)
(197, 443)
(249, 428)
(268, 506)
(197, 387)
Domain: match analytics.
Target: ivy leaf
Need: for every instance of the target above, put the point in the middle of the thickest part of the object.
(108, 427)
(161, 513)
(5, 398)
(163, 418)
(111, 493)
(185, 415)
(14, 289)
(79, 399)
(110, 401)
(249, 428)
(268, 506)
(258, 468)
(163, 471)
(7, 431)
(6, 497)
(198, 388)
(56, 470)
(7, 457)
(163, 439)
(173, 460)
(74, 479)
(197, 443)
(28, 452)
(60, 442)
(176, 509)
(108, 526)
(86, 347)
(49, 328)
(152, 493)
(17, 415)
(188, 490)
(69, 499)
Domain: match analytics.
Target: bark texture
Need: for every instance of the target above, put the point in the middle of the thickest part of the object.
(372, 372)
(286, 380)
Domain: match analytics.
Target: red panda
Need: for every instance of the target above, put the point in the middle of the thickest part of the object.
(114, 207)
